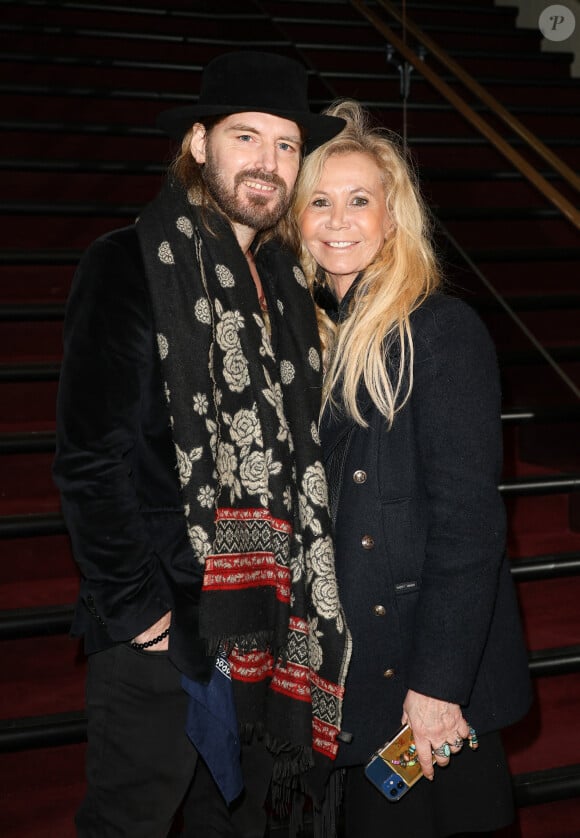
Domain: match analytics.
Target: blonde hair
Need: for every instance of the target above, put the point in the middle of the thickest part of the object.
(400, 277)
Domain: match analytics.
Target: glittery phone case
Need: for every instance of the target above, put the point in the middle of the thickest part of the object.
(394, 767)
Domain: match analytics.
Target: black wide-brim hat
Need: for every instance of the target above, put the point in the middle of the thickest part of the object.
(239, 82)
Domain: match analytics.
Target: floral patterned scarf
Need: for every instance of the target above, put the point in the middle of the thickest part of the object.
(244, 404)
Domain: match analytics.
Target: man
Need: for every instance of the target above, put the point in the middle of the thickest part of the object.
(191, 479)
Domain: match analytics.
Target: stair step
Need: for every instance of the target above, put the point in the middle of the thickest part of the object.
(481, 62)
(540, 485)
(54, 779)
(28, 443)
(36, 570)
(65, 142)
(28, 485)
(36, 340)
(48, 371)
(35, 622)
(43, 731)
(555, 325)
(548, 566)
(31, 312)
(33, 187)
(39, 684)
(550, 627)
(25, 526)
(28, 405)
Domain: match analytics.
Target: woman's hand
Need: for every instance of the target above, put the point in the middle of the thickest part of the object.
(154, 631)
(434, 723)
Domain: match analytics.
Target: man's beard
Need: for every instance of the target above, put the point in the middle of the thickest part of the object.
(256, 212)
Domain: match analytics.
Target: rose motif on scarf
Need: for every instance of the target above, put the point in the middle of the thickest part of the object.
(185, 462)
(314, 484)
(184, 226)
(211, 428)
(235, 364)
(265, 346)
(199, 541)
(324, 588)
(273, 395)
(202, 311)
(315, 649)
(307, 515)
(165, 254)
(227, 466)
(206, 496)
(245, 429)
(314, 358)
(299, 276)
(314, 433)
(224, 276)
(287, 372)
(230, 323)
(162, 346)
(255, 470)
(253, 475)
(236, 371)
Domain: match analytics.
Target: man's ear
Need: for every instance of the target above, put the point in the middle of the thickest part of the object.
(198, 140)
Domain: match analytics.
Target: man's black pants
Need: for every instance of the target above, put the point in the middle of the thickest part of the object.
(142, 767)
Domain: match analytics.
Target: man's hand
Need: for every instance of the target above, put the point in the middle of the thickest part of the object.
(434, 723)
(154, 631)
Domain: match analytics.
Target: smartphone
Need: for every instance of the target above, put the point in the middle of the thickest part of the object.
(394, 768)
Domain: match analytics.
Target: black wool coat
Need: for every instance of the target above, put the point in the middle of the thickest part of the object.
(420, 534)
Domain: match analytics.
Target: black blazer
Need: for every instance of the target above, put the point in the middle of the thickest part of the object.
(115, 462)
(420, 532)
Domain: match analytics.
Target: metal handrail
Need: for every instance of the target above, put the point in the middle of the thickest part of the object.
(526, 168)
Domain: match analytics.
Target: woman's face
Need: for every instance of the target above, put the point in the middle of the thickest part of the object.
(345, 222)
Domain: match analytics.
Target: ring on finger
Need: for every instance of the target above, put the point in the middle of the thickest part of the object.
(458, 743)
(443, 750)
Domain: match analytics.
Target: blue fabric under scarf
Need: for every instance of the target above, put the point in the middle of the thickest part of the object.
(212, 726)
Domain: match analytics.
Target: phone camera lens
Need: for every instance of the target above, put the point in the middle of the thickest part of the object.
(393, 792)
(400, 784)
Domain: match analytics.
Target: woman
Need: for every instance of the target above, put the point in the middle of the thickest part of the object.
(412, 441)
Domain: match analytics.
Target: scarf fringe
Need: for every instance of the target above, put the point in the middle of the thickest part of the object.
(291, 764)
(325, 817)
(289, 801)
(250, 731)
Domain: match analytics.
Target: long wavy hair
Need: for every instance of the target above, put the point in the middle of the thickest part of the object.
(188, 172)
(374, 344)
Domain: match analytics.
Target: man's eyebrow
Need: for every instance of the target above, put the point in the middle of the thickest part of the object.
(252, 129)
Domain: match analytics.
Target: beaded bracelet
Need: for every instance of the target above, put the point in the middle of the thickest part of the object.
(149, 643)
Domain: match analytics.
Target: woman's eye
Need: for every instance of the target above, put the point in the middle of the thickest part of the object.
(359, 201)
(319, 202)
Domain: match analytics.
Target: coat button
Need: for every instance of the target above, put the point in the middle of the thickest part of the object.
(367, 542)
(379, 610)
(359, 476)
(388, 673)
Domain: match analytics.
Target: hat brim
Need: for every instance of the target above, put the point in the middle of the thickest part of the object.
(319, 127)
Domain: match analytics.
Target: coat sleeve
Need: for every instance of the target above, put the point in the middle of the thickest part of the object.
(457, 418)
(108, 356)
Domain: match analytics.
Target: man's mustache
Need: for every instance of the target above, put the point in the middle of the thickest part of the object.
(258, 174)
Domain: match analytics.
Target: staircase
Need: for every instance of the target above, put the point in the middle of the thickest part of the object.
(81, 86)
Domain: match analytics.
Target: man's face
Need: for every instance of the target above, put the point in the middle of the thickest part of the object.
(251, 161)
